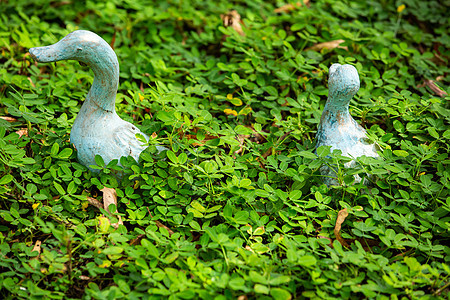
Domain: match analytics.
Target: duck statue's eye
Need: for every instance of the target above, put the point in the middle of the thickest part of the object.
(79, 49)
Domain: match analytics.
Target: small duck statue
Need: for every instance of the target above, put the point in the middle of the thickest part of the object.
(97, 129)
(337, 128)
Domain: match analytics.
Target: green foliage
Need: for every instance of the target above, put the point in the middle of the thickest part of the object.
(236, 206)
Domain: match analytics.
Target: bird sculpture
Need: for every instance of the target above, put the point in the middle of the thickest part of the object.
(337, 128)
(97, 129)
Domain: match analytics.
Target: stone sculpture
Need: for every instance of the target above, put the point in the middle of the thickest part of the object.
(97, 128)
(337, 128)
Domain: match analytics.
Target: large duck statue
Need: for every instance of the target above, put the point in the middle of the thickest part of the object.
(337, 128)
(97, 129)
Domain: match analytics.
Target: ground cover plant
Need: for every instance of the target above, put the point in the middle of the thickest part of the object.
(236, 209)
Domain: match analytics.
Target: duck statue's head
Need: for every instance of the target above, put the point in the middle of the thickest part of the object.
(90, 49)
(343, 83)
(81, 45)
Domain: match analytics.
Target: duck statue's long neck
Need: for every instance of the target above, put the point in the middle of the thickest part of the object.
(336, 111)
(106, 80)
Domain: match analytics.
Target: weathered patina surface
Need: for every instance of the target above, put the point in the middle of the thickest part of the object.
(97, 128)
(337, 128)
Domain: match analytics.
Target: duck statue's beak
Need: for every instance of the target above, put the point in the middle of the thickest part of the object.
(45, 54)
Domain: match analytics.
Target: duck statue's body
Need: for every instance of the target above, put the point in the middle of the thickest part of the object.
(97, 129)
(337, 128)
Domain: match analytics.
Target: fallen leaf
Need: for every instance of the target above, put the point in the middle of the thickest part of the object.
(343, 213)
(328, 45)
(137, 239)
(290, 7)
(437, 90)
(198, 143)
(110, 197)
(233, 19)
(31, 82)
(8, 119)
(193, 137)
(95, 202)
(159, 224)
(287, 7)
(22, 132)
(37, 246)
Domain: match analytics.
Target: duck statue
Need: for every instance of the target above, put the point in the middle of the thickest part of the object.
(97, 129)
(337, 128)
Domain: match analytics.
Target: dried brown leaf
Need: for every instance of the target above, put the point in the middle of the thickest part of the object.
(437, 90)
(110, 197)
(328, 45)
(22, 132)
(233, 19)
(95, 202)
(290, 7)
(343, 213)
(37, 247)
(31, 81)
(287, 7)
(194, 137)
(159, 224)
(8, 119)
(137, 239)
